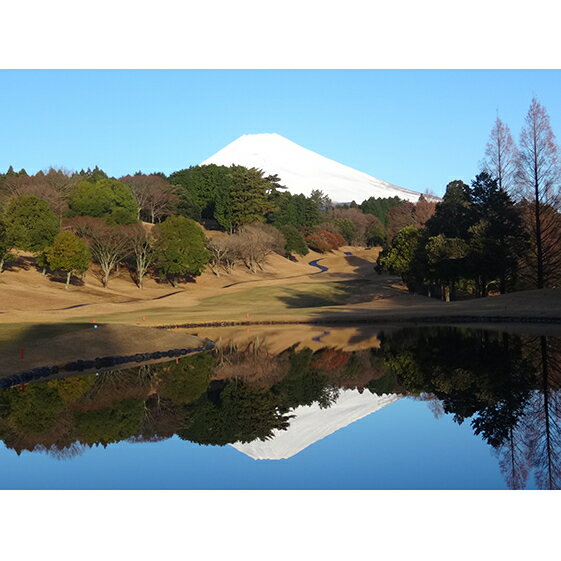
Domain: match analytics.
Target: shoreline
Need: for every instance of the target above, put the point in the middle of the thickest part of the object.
(439, 320)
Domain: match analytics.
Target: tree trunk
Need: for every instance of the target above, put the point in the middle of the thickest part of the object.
(502, 284)
(539, 247)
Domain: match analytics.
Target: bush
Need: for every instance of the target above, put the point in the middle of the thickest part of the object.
(323, 241)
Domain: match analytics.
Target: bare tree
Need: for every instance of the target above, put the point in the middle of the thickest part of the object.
(500, 156)
(142, 252)
(255, 242)
(155, 197)
(424, 209)
(538, 178)
(361, 220)
(223, 253)
(109, 244)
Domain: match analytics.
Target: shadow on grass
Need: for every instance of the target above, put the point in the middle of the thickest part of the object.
(343, 292)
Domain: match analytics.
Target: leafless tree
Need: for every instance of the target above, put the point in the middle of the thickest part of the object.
(141, 249)
(223, 253)
(361, 220)
(501, 155)
(155, 197)
(538, 179)
(109, 244)
(255, 242)
(424, 209)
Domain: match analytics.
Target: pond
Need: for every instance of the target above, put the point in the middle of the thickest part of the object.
(300, 407)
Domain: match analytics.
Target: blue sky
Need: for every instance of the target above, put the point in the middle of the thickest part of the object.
(418, 129)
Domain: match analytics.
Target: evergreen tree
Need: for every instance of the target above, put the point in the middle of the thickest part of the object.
(179, 248)
(5, 245)
(453, 216)
(249, 196)
(69, 254)
(380, 207)
(106, 198)
(497, 237)
(295, 242)
(205, 185)
(30, 223)
(399, 257)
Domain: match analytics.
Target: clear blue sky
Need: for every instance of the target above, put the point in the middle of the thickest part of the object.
(417, 129)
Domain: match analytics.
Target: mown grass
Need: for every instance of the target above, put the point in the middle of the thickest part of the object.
(17, 336)
(259, 302)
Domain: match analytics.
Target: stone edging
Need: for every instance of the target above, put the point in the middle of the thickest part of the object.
(99, 362)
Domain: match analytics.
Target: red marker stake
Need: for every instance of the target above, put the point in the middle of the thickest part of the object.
(21, 353)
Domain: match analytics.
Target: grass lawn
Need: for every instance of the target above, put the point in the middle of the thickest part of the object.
(14, 337)
(260, 302)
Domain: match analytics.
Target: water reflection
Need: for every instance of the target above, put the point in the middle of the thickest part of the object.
(271, 402)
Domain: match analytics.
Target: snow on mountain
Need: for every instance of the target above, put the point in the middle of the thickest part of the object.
(311, 423)
(302, 170)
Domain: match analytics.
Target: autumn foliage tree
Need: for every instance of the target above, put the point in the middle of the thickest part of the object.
(323, 241)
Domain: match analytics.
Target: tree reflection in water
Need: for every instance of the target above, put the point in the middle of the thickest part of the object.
(507, 386)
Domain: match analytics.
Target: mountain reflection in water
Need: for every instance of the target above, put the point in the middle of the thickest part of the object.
(271, 400)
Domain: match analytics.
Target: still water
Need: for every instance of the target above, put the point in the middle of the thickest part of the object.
(300, 408)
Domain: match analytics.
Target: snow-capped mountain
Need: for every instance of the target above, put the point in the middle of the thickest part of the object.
(302, 170)
(311, 423)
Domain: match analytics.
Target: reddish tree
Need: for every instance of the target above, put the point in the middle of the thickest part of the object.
(538, 182)
(424, 210)
(323, 241)
(500, 156)
(399, 217)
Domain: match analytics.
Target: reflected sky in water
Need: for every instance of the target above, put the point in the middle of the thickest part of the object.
(399, 447)
(431, 408)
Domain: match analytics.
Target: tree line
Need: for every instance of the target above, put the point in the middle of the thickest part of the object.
(148, 223)
(500, 233)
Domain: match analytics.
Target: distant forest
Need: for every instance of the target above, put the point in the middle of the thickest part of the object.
(500, 233)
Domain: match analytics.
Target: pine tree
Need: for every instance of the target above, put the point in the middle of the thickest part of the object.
(249, 197)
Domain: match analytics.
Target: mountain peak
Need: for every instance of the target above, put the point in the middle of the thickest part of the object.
(302, 170)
